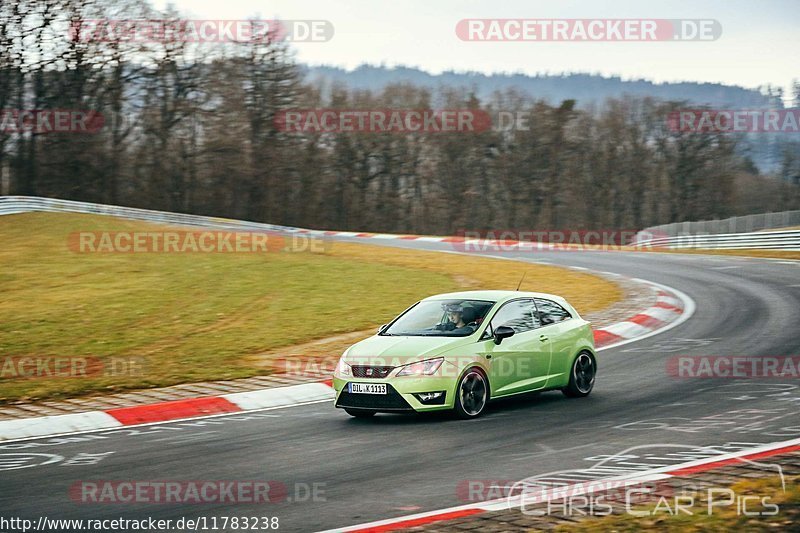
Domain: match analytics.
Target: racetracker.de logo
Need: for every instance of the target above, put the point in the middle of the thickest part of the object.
(200, 31)
(588, 30)
(52, 366)
(722, 366)
(178, 492)
(40, 121)
(516, 240)
(307, 366)
(735, 120)
(192, 242)
(383, 121)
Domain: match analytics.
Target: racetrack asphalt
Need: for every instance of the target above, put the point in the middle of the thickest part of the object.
(391, 465)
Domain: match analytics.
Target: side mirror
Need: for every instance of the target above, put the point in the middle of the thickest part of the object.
(383, 327)
(501, 333)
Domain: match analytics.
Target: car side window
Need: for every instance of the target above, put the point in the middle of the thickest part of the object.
(550, 312)
(519, 315)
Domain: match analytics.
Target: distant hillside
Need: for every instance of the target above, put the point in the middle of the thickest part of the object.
(585, 88)
(766, 151)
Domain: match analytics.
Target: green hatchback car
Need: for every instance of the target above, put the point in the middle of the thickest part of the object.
(457, 351)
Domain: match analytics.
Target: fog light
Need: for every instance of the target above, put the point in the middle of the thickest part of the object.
(430, 398)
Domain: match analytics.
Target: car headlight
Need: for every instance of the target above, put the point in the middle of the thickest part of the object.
(422, 368)
(343, 369)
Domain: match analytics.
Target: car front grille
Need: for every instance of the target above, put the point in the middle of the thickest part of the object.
(391, 401)
(366, 371)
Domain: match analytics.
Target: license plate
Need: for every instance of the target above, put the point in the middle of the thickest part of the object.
(367, 388)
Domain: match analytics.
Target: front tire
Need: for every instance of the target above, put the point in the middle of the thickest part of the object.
(358, 413)
(472, 394)
(581, 376)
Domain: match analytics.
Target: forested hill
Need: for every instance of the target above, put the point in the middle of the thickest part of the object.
(584, 88)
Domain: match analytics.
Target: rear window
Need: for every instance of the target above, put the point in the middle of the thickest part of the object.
(550, 312)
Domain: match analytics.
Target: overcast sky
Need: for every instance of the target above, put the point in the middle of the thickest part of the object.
(759, 42)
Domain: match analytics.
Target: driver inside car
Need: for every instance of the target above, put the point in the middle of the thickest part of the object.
(460, 319)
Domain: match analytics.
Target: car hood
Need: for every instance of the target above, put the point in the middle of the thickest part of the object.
(384, 350)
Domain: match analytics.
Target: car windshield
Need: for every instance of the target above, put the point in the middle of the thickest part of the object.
(441, 318)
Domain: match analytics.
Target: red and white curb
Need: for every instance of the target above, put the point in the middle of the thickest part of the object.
(671, 309)
(165, 411)
(656, 474)
(479, 244)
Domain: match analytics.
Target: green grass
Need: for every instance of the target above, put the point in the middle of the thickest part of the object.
(195, 317)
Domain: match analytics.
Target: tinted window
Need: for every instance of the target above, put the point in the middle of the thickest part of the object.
(519, 315)
(441, 318)
(551, 312)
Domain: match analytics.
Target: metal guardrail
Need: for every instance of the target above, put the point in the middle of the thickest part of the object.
(768, 240)
(740, 224)
(763, 240)
(23, 204)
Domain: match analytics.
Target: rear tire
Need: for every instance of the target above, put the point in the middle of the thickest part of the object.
(358, 413)
(472, 394)
(581, 376)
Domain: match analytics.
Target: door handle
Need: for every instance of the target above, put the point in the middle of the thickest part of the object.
(543, 338)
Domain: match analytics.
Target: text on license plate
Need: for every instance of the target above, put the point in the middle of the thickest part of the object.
(367, 388)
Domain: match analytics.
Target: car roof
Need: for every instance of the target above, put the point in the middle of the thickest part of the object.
(494, 296)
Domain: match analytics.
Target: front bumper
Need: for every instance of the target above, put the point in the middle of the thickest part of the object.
(400, 397)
